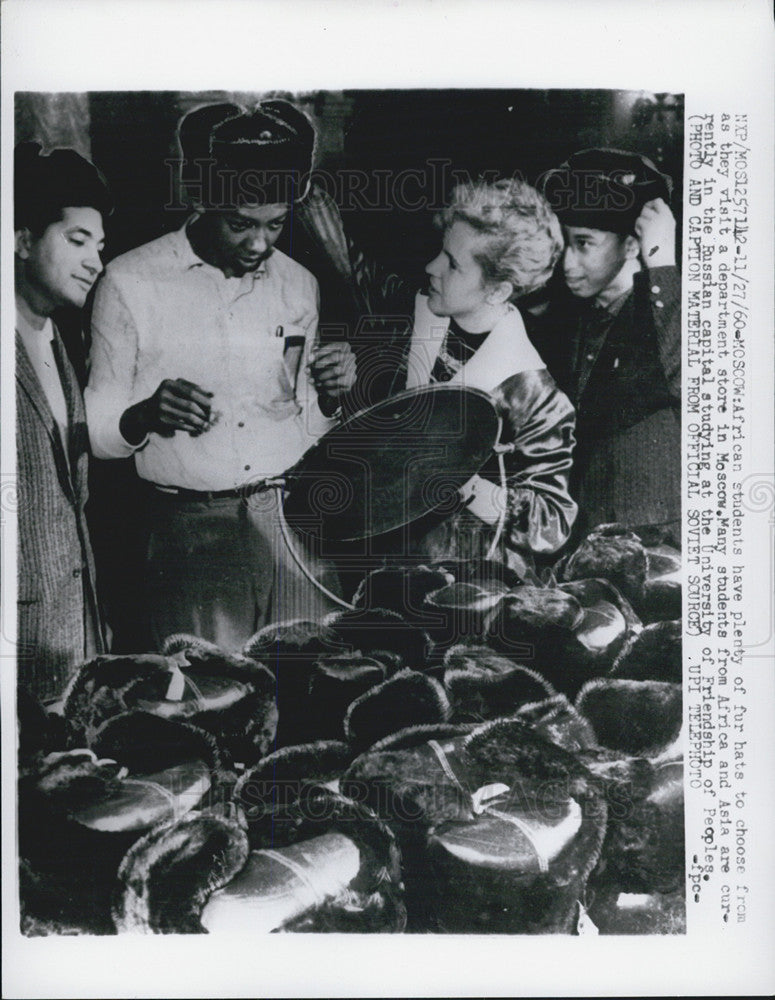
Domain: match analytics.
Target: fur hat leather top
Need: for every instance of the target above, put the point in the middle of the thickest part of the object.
(604, 189)
(237, 157)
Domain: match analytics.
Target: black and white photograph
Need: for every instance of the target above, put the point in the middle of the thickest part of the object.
(353, 557)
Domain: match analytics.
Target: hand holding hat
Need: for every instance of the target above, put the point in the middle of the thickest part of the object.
(655, 229)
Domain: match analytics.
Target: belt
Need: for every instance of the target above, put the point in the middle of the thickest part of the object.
(239, 493)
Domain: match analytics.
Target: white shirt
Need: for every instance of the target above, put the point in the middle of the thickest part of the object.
(39, 347)
(163, 313)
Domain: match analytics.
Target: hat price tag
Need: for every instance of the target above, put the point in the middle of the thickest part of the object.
(177, 685)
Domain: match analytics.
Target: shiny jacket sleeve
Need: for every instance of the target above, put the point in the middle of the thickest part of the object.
(539, 421)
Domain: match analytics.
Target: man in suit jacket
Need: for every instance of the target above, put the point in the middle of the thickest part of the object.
(60, 201)
(613, 341)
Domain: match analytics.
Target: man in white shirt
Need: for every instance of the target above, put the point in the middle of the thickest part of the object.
(59, 204)
(200, 344)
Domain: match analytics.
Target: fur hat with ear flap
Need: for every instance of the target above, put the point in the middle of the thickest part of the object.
(233, 156)
(335, 867)
(409, 698)
(632, 716)
(80, 811)
(232, 697)
(381, 633)
(290, 650)
(569, 633)
(655, 654)
(604, 189)
(499, 829)
(644, 846)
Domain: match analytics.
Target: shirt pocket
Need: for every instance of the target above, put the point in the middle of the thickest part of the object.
(284, 355)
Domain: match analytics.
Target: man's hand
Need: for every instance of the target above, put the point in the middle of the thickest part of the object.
(177, 405)
(655, 229)
(332, 369)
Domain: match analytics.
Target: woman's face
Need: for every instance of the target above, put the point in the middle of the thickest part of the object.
(457, 287)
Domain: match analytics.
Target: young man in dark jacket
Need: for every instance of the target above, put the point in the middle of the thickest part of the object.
(613, 340)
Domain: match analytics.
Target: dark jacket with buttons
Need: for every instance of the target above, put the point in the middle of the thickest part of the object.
(627, 465)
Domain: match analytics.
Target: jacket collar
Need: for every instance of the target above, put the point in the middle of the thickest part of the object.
(505, 352)
(29, 384)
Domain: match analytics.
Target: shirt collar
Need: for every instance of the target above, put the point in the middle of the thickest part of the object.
(189, 259)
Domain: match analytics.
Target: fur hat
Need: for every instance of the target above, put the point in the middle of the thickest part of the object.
(567, 633)
(559, 722)
(80, 810)
(632, 717)
(378, 631)
(614, 553)
(604, 189)
(343, 874)
(477, 694)
(644, 846)
(460, 611)
(409, 698)
(662, 589)
(277, 781)
(230, 696)
(236, 157)
(655, 654)
(336, 682)
(400, 588)
(499, 829)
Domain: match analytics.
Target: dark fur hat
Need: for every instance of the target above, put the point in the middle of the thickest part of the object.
(644, 846)
(604, 189)
(477, 695)
(461, 611)
(374, 631)
(662, 589)
(167, 876)
(44, 185)
(237, 157)
(632, 717)
(277, 781)
(80, 810)
(436, 798)
(558, 721)
(336, 682)
(167, 880)
(232, 697)
(614, 553)
(655, 654)
(400, 588)
(568, 633)
(409, 698)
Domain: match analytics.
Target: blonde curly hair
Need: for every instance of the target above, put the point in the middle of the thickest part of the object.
(525, 238)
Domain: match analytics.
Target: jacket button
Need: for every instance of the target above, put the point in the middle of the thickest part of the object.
(659, 304)
(247, 468)
(656, 289)
(76, 573)
(241, 423)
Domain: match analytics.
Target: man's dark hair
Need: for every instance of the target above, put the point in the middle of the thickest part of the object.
(45, 185)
